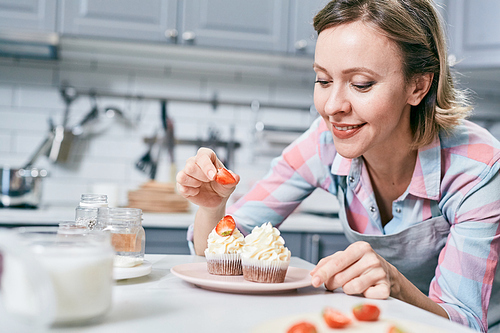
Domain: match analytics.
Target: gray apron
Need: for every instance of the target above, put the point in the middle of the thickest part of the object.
(415, 251)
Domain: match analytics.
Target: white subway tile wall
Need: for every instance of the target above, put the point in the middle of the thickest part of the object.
(29, 96)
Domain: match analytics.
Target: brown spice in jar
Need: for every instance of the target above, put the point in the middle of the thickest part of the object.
(125, 242)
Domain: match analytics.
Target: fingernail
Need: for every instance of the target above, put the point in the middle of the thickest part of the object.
(211, 174)
(316, 281)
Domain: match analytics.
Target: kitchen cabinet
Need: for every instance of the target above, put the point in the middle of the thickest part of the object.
(302, 36)
(474, 32)
(259, 25)
(166, 241)
(314, 246)
(28, 15)
(145, 20)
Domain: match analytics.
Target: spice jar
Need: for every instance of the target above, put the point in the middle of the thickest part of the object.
(127, 234)
(86, 212)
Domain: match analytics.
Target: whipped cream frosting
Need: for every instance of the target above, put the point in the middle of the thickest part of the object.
(265, 243)
(225, 244)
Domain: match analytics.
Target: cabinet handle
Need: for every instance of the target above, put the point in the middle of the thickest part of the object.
(188, 36)
(315, 239)
(171, 33)
(301, 45)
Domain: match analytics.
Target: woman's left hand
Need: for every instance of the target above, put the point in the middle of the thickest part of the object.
(358, 270)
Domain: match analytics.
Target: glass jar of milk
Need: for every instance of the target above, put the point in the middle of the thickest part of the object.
(127, 234)
(56, 278)
(86, 212)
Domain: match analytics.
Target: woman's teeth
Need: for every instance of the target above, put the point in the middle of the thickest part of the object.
(346, 128)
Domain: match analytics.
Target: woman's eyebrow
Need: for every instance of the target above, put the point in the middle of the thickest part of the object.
(358, 70)
(348, 70)
(316, 66)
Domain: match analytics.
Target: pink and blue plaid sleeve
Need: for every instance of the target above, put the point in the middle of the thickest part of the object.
(467, 264)
(293, 176)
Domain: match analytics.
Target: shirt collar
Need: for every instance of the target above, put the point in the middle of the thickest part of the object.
(426, 179)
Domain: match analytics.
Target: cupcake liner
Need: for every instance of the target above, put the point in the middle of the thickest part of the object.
(223, 264)
(256, 270)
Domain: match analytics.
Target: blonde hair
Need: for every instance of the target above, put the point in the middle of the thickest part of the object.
(415, 27)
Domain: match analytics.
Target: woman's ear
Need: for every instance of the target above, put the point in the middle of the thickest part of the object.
(421, 85)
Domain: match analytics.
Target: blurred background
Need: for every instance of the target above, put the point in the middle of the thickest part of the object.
(107, 94)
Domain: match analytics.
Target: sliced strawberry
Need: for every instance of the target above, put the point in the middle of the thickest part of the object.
(302, 327)
(366, 312)
(395, 329)
(334, 318)
(226, 226)
(224, 177)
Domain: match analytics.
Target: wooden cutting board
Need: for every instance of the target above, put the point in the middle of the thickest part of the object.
(158, 197)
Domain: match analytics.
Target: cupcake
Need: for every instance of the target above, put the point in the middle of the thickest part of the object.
(223, 251)
(264, 256)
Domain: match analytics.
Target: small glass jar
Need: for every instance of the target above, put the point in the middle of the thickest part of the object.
(86, 212)
(127, 234)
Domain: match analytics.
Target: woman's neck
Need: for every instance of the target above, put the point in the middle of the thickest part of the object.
(390, 174)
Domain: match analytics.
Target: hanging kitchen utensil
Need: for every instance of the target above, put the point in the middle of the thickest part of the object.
(69, 94)
(168, 127)
(41, 150)
(43, 147)
(146, 162)
(61, 145)
(92, 115)
(63, 135)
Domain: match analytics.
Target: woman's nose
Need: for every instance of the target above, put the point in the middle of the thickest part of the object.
(337, 102)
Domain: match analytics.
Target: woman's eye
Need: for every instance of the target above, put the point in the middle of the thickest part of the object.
(363, 86)
(322, 82)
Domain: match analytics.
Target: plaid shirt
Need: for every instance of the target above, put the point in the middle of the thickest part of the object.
(457, 176)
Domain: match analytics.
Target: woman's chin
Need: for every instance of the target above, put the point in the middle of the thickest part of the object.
(347, 151)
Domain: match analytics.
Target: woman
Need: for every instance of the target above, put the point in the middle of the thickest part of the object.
(419, 187)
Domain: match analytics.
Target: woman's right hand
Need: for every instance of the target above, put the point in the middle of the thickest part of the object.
(196, 182)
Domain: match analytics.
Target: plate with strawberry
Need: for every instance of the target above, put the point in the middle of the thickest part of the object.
(364, 317)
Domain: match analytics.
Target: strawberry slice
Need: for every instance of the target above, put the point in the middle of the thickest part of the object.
(334, 318)
(226, 226)
(366, 312)
(395, 329)
(302, 327)
(224, 177)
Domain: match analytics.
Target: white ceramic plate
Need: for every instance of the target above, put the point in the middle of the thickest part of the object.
(380, 326)
(197, 274)
(120, 273)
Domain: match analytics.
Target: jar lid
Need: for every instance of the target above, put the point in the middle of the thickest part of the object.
(94, 200)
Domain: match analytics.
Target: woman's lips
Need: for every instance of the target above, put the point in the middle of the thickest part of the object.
(342, 131)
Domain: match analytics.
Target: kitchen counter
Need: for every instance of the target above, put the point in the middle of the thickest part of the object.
(297, 222)
(163, 302)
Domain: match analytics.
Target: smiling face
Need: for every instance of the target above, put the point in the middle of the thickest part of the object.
(361, 92)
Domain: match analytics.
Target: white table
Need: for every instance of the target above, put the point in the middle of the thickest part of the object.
(162, 302)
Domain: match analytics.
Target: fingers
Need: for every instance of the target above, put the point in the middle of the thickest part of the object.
(199, 170)
(379, 291)
(345, 276)
(207, 162)
(358, 270)
(328, 267)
